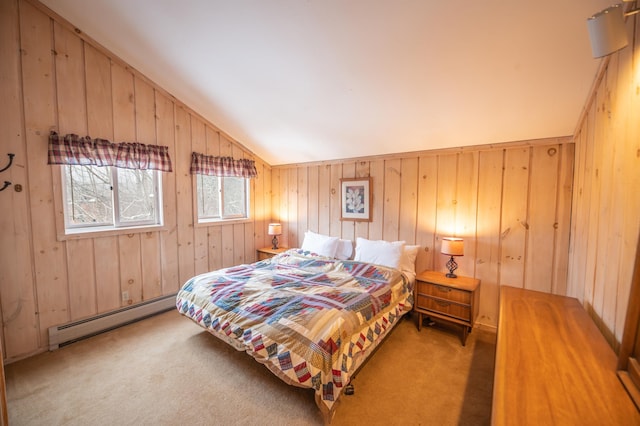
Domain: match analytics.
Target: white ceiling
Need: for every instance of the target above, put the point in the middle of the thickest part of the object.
(297, 81)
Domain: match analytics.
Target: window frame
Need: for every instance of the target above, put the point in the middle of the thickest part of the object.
(221, 219)
(67, 230)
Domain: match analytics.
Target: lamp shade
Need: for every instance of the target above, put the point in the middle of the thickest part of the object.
(607, 31)
(452, 246)
(275, 229)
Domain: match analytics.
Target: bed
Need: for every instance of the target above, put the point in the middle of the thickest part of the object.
(312, 319)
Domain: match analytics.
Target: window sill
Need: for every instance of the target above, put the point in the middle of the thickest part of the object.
(78, 235)
(222, 222)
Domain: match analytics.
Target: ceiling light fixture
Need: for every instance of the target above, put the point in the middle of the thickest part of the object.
(607, 30)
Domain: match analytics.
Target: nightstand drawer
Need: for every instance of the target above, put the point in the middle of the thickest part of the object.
(445, 307)
(444, 292)
(262, 255)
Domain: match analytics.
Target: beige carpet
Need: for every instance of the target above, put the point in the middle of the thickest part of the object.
(166, 370)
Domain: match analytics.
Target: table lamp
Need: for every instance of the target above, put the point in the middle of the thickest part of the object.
(275, 229)
(452, 246)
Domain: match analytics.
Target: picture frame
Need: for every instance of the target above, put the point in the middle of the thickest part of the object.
(356, 199)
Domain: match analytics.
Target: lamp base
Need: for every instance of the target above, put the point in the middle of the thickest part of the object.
(452, 266)
(274, 242)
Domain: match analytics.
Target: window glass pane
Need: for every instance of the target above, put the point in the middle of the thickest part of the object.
(137, 198)
(208, 196)
(234, 196)
(221, 198)
(88, 195)
(102, 198)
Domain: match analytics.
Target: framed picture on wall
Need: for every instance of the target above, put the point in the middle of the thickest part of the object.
(355, 199)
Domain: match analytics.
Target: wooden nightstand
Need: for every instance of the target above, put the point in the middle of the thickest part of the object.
(267, 252)
(450, 299)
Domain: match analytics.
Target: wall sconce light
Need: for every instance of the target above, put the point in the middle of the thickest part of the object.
(275, 229)
(607, 31)
(452, 247)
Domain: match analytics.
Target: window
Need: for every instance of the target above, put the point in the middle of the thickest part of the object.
(222, 186)
(222, 198)
(108, 186)
(100, 198)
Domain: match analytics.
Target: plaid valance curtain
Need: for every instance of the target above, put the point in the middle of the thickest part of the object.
(84, 151)
(222, 166)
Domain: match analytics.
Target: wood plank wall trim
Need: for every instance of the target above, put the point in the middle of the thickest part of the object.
(59, 79)
(511, 203)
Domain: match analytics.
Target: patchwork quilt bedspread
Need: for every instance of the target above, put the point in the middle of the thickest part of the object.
(308, 318)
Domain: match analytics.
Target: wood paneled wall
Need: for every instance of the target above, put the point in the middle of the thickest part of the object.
(606, 203)
(511, 203)
(55, 78)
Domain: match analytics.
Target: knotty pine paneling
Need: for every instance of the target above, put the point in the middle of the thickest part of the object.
(17, 281)
(72, 113)
(606, 207)
(107, 273)
(513, 222)
(426, 210)
(508, 202)
(541, 220)
(165, 130)
(200, 238)
(40, 116)
(391, 201)
(64, 81)
(324, 197)
(488, 236)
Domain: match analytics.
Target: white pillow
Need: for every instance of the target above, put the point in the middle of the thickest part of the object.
(379, 252)
(320, 244)
(408, 261)
(345, 249)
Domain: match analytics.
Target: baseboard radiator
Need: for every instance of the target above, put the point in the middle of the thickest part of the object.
(72, 332)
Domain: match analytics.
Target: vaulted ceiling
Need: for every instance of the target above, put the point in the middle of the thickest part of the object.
(297, 81)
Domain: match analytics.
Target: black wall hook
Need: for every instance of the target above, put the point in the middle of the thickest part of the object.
(6, 184)
(8, 165)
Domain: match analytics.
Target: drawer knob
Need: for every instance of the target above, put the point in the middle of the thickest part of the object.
(442, 303)
(443, 289)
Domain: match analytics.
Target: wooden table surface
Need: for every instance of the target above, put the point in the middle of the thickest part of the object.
(553, 366)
